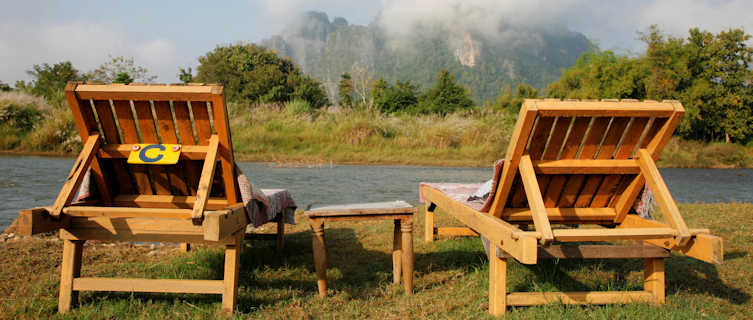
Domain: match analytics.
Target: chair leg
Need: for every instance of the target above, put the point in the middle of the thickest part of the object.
(230, 279)
(397, 255)
(429, 223)
(320, 256)
(497, 283)
(653, 278)
(70, 269)
(407, 248)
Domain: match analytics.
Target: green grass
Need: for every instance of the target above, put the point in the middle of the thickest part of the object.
(451, 278)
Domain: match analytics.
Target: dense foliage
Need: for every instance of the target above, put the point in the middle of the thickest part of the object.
(445, 97)
(709, 73)
(50, 80)
(256, 74)
(120, 70)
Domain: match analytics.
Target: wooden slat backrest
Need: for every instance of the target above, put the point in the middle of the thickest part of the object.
(176, 114)
(550, 129)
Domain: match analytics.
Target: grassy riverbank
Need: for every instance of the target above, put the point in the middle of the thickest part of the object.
(451, 279)
(289, 134)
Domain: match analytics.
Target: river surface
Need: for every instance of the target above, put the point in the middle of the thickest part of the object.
(28, 181)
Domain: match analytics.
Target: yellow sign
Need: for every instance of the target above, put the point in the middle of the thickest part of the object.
(154, 154)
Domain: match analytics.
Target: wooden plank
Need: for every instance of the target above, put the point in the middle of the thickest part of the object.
(110, 131)
(456, 232)
(499, 232)
(207, 175)
(222, 224)
(518, 142)
(69, 270)
(608, 147)
(657, 136)
(613, 184)
(86, 125)
(589, 184)
(136, 229)
(598, 252)
(38, 220)
(189, 152)
(130, 136)
(227, 160)
(230, 278)
(589, 297)
(663, 197)
(148, 285)
(201, 122)
(166, 126)
(552, 185)
(584, 215)
(571, 235)
(77, 174)
(372, 208)
(536, 150)
(497, 285)
(166, 201)
(704, 247)
(158, 175)
(571, 183)
(535, 202)
(186, 135)
(126, 212)
(141, 92)
(653, 278)
(618, 108)
(575, 166)
(429, 222)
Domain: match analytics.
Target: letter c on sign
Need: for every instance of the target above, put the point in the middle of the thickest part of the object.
(142, 154)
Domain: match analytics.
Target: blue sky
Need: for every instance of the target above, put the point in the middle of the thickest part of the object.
(166, 35)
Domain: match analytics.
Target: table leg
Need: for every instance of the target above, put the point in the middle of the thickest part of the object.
(320, 256)
(407, 246)
(397, 256)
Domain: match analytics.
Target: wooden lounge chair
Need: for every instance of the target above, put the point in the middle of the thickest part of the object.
(578, 163)
(194, 200)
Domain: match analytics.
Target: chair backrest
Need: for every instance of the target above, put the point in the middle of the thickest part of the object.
(149, 114)
(563, 140)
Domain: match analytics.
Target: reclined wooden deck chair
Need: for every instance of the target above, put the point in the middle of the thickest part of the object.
(578, 163)
(181, 188)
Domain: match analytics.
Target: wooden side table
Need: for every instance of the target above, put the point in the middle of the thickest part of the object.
(400, 212)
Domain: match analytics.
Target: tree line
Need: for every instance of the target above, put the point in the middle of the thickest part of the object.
(709, 73)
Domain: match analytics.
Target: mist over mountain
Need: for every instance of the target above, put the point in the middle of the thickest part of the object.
(482, 59)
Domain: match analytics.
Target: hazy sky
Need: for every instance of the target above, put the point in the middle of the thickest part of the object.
(166, 35)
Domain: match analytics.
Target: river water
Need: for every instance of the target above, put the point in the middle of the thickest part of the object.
(27, 181)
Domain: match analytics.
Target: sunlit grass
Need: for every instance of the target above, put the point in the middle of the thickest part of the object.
(451, 278)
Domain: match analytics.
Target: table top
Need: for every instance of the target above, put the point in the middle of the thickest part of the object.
(358, 209)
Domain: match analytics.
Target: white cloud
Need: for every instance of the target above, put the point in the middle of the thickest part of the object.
(86, 45)
(613, 24)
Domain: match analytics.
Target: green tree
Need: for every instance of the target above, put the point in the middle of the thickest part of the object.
(185, 75)
(4, 87)
(403, 96)
(345, 90)
(445, 97)
(253, 73)
(49, 81)
(506, 100)
(110, 70)
(122, 78)
(709, 73)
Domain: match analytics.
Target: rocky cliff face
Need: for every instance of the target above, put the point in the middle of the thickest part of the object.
(468, 51)
(326, 49)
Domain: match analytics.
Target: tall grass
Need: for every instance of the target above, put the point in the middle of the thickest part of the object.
(366, 136)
